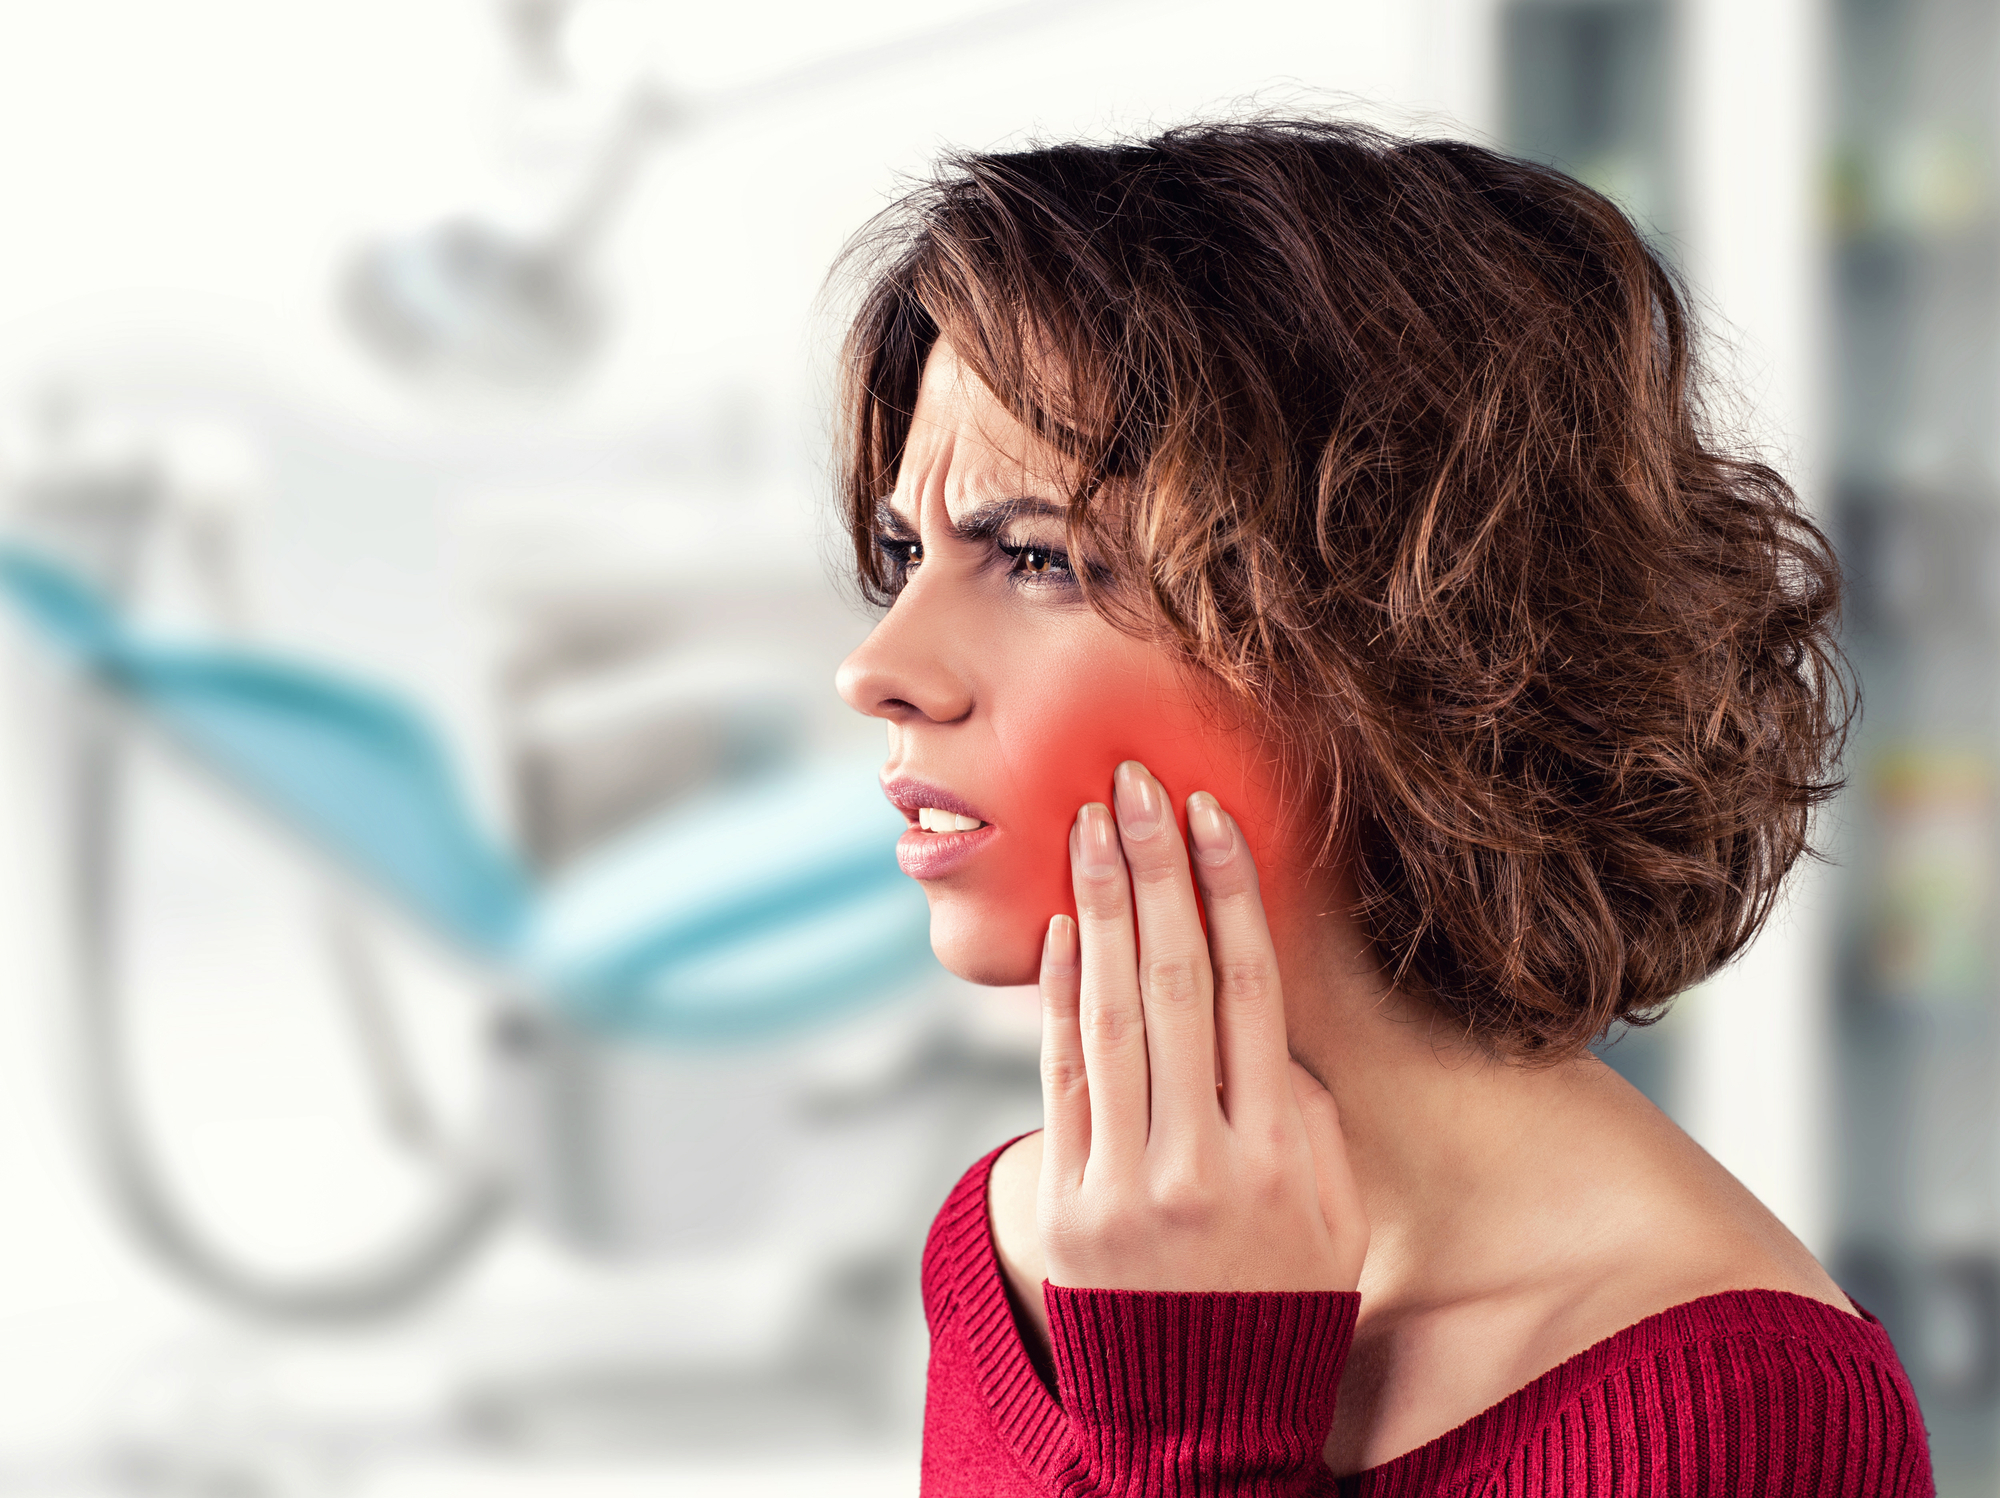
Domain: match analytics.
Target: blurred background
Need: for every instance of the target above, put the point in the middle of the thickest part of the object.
(424, 407)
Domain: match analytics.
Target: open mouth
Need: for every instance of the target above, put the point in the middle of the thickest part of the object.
(932, 808)
(945, 829)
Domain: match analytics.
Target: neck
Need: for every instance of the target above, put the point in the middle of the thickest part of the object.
(1451, 1144)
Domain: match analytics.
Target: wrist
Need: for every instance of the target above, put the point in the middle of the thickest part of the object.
(1181, 1361)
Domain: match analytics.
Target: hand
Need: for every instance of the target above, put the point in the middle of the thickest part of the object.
(1183, 1148)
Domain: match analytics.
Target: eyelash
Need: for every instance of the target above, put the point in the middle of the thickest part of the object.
(1054, 562)
(1035, 564)
(898, 557)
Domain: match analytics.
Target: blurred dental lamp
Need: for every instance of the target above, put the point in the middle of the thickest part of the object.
(466, 295)
(468, 303)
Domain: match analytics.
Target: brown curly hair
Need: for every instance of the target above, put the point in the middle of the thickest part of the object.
(1402, 441)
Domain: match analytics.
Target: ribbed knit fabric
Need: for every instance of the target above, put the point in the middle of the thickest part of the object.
(1750, 1393)
(1197, 1393)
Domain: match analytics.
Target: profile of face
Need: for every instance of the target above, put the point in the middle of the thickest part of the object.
(1010, 701)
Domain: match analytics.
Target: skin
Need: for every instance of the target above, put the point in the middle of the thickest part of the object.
(1003, 686)
(1497, 1218)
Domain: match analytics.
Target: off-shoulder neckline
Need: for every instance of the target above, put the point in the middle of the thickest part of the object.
(1030, 1421)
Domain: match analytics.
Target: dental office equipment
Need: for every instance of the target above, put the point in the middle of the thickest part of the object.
(735, 924)
(468, 300)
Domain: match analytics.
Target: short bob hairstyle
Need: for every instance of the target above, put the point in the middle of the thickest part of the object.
(1401, 443)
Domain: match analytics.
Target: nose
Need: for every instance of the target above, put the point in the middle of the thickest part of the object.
(904, 671)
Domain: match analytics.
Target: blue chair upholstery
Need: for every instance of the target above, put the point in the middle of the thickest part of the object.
(762, 905)
(349, 767)
(747, 907)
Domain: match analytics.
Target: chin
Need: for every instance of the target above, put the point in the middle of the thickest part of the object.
(984, 944)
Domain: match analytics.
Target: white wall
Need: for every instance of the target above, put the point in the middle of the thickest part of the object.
(1756, 1038)
(179, 184)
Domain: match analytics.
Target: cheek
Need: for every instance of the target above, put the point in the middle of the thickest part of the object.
(1101, 708)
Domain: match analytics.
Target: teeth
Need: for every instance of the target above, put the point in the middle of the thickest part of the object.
(932, 820)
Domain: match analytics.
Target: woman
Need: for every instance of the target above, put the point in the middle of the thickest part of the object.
(1327, 651)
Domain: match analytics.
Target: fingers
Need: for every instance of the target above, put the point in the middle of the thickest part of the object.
(1065, 1088)
(1110, 1016)
(1146, 1183)
(1174, 983)
(1249, 1001)
(1339, 1194)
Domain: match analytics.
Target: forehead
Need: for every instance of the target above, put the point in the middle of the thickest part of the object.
(966, 449)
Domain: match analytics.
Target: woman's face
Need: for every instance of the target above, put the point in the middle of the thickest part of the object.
(1010, 701)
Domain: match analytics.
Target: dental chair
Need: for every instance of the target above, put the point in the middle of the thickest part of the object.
(740, 921)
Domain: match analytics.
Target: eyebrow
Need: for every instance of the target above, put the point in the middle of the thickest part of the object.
(981, 523)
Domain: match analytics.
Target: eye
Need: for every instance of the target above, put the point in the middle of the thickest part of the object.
(900, 557)
(1036, 561)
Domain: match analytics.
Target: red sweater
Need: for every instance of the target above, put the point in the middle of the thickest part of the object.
(1751, 1392)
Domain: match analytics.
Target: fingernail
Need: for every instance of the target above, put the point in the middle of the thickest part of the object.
(1140, 804)
(1059, 946)
(1096, 841)
(1209, 829)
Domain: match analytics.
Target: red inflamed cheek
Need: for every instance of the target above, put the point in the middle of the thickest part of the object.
(1063, 754)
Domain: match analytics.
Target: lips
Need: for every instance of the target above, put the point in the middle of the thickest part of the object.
(932, 855)
(909, 795)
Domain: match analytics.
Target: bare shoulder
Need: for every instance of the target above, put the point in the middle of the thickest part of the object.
(1661, 1224)
(1693, 1229)
(1612, 1219)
